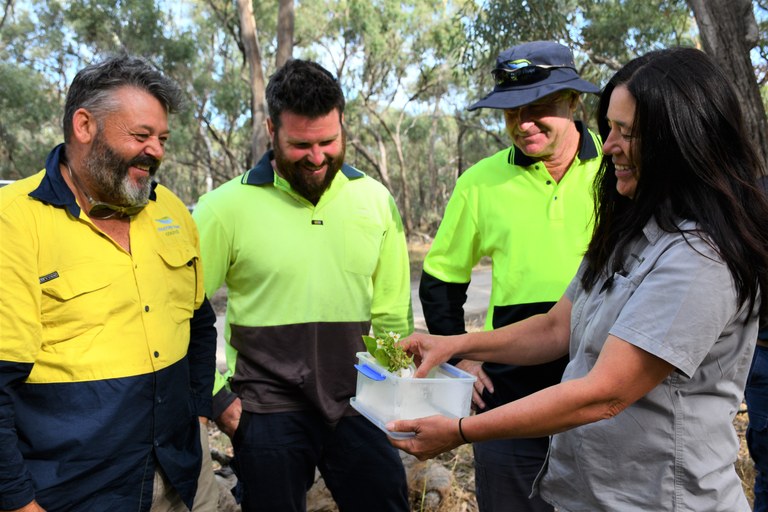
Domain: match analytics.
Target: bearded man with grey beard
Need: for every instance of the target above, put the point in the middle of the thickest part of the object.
(108, 343)
(314, 256)
(109, 172)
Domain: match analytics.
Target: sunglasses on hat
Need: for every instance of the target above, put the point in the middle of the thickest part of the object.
(521, 72)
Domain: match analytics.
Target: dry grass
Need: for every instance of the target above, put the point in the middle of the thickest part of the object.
(417, 251)
(744, 465)
(462, 495)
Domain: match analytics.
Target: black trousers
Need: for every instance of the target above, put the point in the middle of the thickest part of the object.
(276, 456)
(504, 475)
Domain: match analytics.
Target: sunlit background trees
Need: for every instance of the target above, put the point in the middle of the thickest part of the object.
(409, 70)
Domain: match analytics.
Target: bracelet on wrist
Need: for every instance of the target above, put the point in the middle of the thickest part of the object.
(461, 432)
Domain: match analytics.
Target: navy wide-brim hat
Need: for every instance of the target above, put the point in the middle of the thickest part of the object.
(538, 53)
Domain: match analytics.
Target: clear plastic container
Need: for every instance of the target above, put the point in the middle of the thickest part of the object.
(382, 396)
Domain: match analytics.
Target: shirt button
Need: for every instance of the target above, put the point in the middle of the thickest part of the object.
(190, 263)
(157, 354)
(549, 182)
(146, 308)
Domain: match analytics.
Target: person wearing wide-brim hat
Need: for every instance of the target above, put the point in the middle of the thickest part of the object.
(530, 71)
(528, 208)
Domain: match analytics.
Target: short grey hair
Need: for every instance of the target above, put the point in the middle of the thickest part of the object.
(94, 85)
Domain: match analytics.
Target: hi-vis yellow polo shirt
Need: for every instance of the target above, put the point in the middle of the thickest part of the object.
(507, 207)
(95, 382)
(304, 283)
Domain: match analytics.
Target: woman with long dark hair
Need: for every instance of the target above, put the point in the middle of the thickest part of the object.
(661, 319)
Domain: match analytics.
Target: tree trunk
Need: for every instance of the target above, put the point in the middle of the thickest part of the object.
(259, 139)
(405, 209)
(429, 200)
(285, 26)
(728, 32)
(462, 127)
(381, 165)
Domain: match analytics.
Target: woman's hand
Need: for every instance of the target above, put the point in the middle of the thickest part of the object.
(434, 435)
(428, 351)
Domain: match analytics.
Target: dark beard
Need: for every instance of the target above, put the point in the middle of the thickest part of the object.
(108, 175)
(295, 175)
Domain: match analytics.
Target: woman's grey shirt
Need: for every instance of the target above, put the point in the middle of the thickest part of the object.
(675, 448)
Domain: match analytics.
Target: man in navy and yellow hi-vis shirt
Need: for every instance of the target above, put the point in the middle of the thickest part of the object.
(107, 344)
(528, 208)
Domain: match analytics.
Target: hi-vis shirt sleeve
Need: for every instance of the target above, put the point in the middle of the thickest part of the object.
(215, 246)
(20, 341)
(20, 325)
(215, 251)
(456, 247)
(391, 305)
(448, 265)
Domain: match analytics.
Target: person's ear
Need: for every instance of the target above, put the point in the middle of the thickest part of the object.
(84, 126)
(271, 131)
(574, 103)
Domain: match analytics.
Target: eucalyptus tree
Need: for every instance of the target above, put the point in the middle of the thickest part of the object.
(32, 77)
(603, 34)
(390, 57)
(729, 31)
(252, 53)
(607, 33)
(42, 44)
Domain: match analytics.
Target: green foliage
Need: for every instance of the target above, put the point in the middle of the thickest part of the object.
(387, 352)
(622, 29)
(29, 123)
(408, 68)
(493, 25)
(761, 64)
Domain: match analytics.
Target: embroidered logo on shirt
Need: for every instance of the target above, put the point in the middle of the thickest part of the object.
(168, 226)
(49, 277)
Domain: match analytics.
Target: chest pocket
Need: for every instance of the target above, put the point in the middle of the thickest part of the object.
(362, 243)
(600, 312)
(79, 299)
(181, 280)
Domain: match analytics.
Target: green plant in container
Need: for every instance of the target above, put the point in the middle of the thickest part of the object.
(390, 355)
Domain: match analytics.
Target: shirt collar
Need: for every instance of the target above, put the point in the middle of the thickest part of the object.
(653, 232)
(53, 189)
(587, 150)
(263, 173)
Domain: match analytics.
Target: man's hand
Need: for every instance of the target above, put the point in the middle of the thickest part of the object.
(483, 381)
(230, 418)
(30, 507)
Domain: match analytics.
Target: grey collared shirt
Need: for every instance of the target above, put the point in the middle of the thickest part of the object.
(675, 448)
